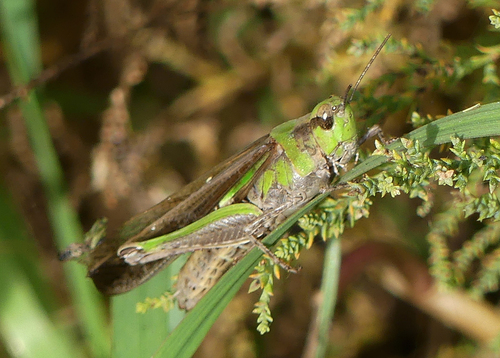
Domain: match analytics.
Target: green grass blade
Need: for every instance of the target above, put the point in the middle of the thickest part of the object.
(138, 335)
(26, 327)
(184, 340)
(329, 287)
(21, 44)
(483, 121)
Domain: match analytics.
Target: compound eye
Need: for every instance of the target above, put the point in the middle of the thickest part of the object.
(329, 112)
(325, 115)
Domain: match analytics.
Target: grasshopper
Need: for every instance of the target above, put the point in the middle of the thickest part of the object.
(227, 211)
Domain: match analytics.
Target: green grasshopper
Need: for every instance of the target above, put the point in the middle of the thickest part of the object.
(227, 211)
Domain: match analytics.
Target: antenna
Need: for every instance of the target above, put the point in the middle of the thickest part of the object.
(366, 68)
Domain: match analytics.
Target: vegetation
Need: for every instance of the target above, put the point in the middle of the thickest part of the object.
(159, 93)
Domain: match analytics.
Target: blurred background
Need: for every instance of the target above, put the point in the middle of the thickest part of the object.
(173, 88)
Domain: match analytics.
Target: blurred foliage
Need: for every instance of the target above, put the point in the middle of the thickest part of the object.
(176, 86)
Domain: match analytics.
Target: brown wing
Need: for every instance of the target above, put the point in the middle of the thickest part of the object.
(112, 275)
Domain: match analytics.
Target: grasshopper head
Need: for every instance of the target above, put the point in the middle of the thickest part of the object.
(333, 125)
(333, 122)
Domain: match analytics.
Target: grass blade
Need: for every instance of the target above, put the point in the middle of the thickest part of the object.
(22, 48)
(138, 335)
(26, 325)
